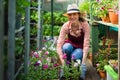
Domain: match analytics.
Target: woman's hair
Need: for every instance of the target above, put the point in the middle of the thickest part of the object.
(81, 18)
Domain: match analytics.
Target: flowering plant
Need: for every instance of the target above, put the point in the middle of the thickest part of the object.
(43, 65)
(71, 69)
(100, 8)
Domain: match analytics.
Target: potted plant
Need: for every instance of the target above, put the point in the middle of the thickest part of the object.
(100, 68)
(104, 9)
(100, 9)
(113, 11)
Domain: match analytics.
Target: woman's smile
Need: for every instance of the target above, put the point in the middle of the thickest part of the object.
(73, 17)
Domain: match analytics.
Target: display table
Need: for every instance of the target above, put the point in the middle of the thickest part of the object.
(111, 74)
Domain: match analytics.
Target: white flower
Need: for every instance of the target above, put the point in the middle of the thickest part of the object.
(43, 48)
(39, 61)
(48, 60)
(76, 64)
(78, 61)
(34, 53)
(39, 52)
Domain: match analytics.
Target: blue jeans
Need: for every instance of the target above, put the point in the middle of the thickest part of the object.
(71, 51)
(68, 49)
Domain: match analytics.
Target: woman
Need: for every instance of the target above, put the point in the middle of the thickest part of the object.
(72, 44)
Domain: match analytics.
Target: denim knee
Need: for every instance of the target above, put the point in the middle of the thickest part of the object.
(78, 54)
(67, 48)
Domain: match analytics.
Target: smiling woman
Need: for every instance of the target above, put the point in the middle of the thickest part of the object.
(77, 46)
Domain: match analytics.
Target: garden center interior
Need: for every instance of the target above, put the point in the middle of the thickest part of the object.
(30, 28)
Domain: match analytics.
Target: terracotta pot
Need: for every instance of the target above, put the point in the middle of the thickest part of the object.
(105, 19)
(102, 74)
(113, 17)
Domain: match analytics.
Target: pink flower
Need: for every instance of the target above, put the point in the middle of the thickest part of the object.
(102, 8)
(36, 64)
(73, 57)
(97, 0)
(68, 62)
(37, 56)
(55, 65)
(33, 53)
(97, 64)
(46, 52)
(45, 66)
(64, 56)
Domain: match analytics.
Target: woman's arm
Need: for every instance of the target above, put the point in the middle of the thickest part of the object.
(86, 44)
(60, 41)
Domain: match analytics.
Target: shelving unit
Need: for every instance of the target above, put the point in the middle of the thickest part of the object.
(95, 32)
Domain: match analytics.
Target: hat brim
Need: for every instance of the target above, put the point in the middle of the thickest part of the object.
(66, 14)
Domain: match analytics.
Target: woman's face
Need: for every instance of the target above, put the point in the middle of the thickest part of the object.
(73, 17)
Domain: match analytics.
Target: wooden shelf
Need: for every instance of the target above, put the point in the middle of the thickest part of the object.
(107, 24)
(112, 26)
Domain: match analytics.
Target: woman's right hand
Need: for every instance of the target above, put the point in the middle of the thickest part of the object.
(60, 61)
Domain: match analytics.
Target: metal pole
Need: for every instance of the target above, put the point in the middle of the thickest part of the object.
(2, 39)
(11, 38)
(94, 35)
(52, 24)
(27, 37)
(119, 43)
(39, 32)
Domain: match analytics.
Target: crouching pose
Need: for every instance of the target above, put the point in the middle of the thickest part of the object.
(74, 38)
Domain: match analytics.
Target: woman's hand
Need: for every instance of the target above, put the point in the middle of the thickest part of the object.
(60, 61)
(83, 71)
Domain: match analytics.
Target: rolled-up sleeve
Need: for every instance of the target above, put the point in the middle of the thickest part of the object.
(61, 38)
(86, 44)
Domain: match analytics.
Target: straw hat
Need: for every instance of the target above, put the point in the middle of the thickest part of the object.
(73, 8)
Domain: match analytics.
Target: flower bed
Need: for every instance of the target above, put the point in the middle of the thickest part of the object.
(44, 65)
